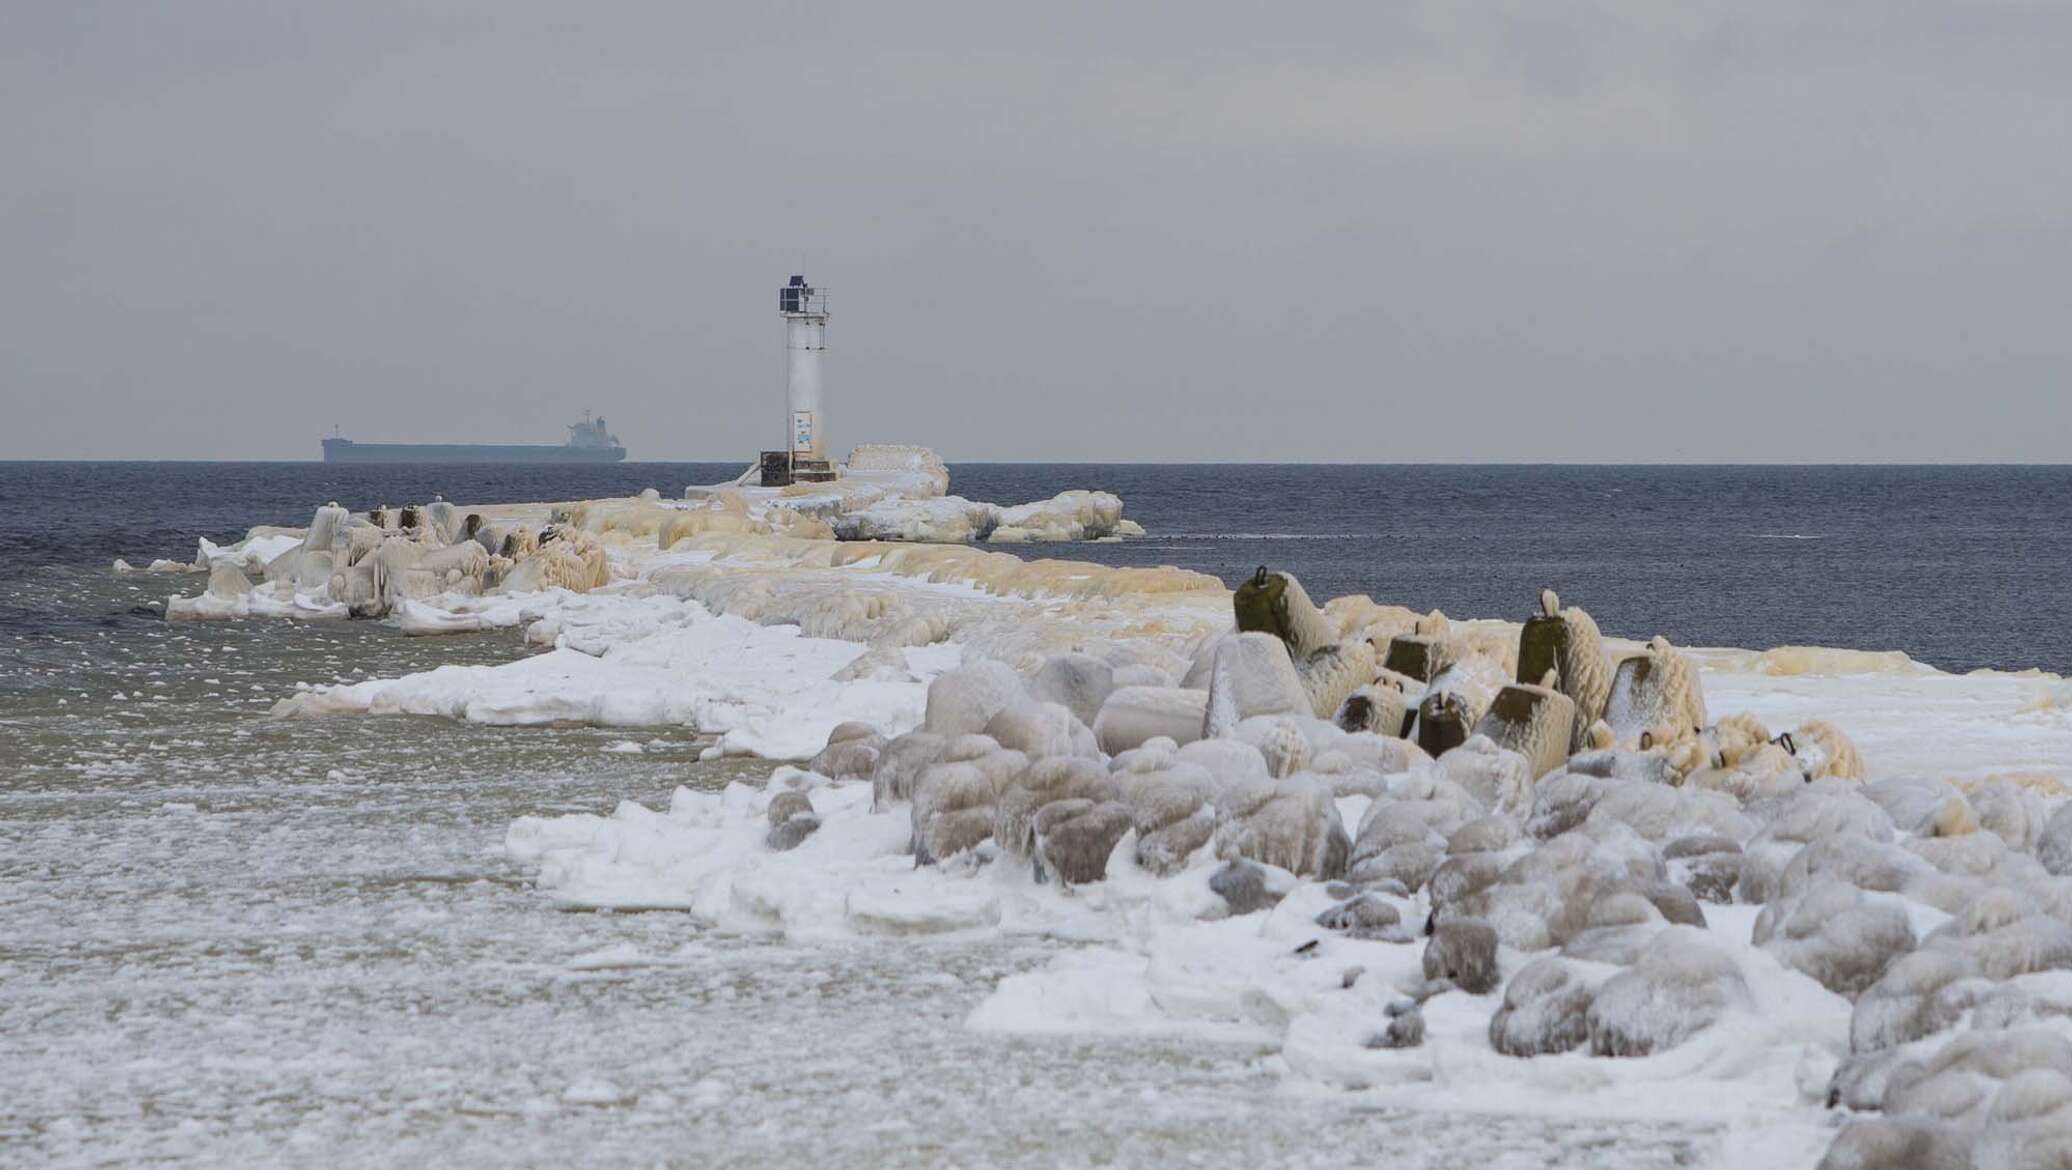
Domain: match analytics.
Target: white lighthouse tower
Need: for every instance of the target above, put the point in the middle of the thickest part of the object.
(804, 309)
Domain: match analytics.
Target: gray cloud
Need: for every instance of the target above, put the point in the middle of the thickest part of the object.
(1611, 231)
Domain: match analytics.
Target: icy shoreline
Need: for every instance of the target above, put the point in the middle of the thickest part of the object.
(1759, 885)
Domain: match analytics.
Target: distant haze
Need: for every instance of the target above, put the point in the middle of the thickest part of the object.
(1619, 231)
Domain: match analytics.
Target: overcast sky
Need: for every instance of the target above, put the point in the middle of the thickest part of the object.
(1821, 231)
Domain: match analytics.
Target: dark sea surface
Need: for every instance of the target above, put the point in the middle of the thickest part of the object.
(1961, 567)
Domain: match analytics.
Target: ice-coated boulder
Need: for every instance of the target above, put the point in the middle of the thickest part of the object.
(1496, 777)
(1291, 824)
(1660, 813)
(1230, 761)
(1962, 1080)
(1041, 783)
(1078, 682)
(1462, 953)
(1331, 674)
(2005, 936)
(1898, 1143)
(952, 811)
(1405, 1027)
(1617, 930)
(1365, 916)
(1251, 675)
(1487, 834)
(1459, 877)
(1172, 812)
(941, 520)
(1074, 837)
(1706, 865)
(953, 799)
(792, 820)
(1544, 898)
(1132, 715)
(1069, 515)
(1680, 986)
(901, 763)
(1546, 1010)
(1041, 729)
(852, 752)
(2010, 813)
(1917, 804)
(2054, 843)
(1247, 887)
(962, 701)
(1920, 993)
(1284, 748)
(2029, 1126)
(1831, 931)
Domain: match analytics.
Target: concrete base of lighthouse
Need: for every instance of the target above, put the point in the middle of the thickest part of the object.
(782, 469)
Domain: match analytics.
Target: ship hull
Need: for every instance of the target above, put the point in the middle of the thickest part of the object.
(347, 451)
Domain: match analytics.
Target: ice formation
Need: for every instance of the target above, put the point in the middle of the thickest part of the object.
(1451, 862)
(378, 564)
(897, 493)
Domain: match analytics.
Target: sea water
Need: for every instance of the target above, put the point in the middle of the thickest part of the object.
(232, 940)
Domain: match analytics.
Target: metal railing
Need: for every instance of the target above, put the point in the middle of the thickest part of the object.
(802, 299)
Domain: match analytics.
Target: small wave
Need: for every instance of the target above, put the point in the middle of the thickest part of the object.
(1784, 536)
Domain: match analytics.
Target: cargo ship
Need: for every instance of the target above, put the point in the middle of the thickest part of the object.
(588, 442)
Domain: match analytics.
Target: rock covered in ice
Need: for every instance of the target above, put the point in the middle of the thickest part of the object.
(1072, 515)
(953, 800)
(1043, 782)
(962, 701)
(1462, 953)
(2054, 843)
(1497, 777)
(852, 752)
(901, 763)
(1078, 682)
(1251, 675)
(1893, 1143)
(792, 819)
(1132, 715)
(941, 520)
(1074, 837)
(1680, 985)
(1041, 729)
(1173, 811)
(1246, 887)
(1365, 916)
(1546, 1010)
(1291, 824)
(1833, 932)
